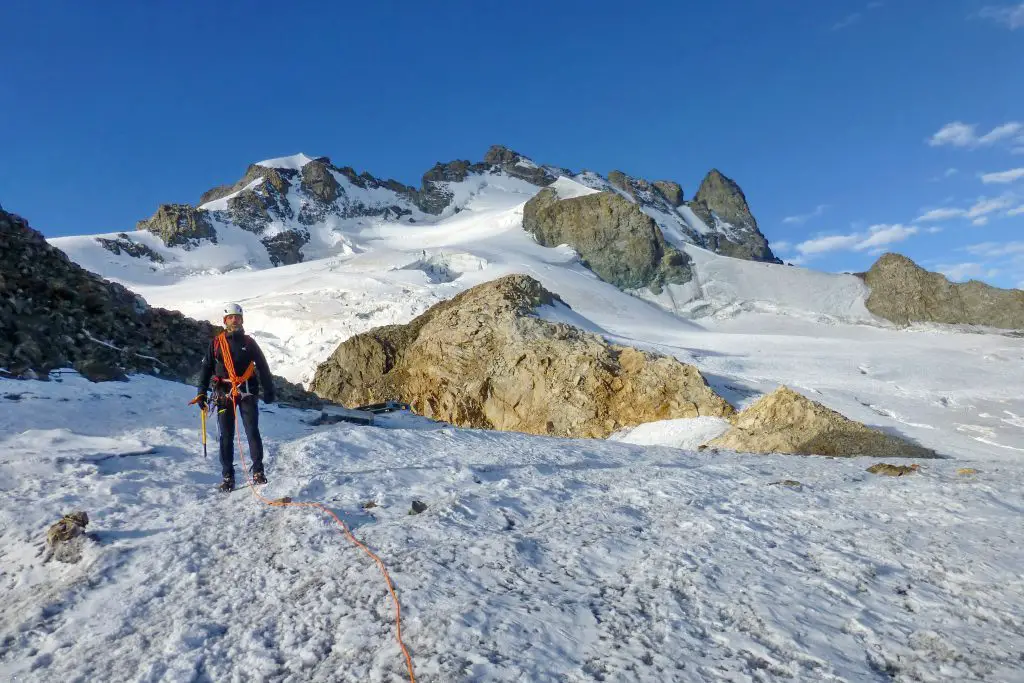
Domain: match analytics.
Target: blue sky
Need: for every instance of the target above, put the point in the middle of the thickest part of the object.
(852, 125)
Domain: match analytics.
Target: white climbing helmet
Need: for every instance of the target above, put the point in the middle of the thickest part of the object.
(232, 309)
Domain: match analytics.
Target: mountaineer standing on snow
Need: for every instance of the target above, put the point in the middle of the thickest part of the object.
(237, 367)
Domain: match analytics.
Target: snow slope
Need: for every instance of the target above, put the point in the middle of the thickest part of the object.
(537, 559)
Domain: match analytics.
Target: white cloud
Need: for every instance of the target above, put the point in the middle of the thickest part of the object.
(939, 215)
(821, 245)
(985, 206)
(1003, 176)
(1016, 212)
(880, 235)
(981, 209)
(934, 229)
(847, 21)
(1010, 15)
(960, 134)
(781, 247)
(996, 249)
(1006, 130)
(948, 173)
(877, 236)
(964, 271)
(800, 219)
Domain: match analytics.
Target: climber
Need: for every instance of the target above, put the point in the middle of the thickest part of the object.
(237, 377)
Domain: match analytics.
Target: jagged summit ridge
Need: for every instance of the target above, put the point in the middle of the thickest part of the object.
(280, 200)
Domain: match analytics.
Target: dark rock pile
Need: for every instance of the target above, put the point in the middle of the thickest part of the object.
(55, 314)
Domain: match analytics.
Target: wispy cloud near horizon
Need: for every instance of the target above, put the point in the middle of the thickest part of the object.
(964, 135)
(1003, 177)
(1011, 16)
(800, 219)
(876, 236)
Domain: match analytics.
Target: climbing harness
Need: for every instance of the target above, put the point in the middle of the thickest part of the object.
(233, 378)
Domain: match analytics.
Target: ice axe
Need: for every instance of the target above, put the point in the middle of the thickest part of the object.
(202, 435)
(202, 420)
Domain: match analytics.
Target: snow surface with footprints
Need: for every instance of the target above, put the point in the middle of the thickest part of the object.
(538, 559)
(637, 558)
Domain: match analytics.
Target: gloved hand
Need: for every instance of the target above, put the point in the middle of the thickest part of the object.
(200, 400)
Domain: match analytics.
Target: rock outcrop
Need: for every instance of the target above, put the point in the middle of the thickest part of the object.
(613, 237)
(483, 359)
(123, 244)
(499, 158)
(904, 293)
(721, 204)
(55, 314)
(285, 248)
(180, 225)
(787, 422)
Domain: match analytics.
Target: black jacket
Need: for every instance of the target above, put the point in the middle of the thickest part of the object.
(244, 350)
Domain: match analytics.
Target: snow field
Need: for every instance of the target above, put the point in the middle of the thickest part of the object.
(538, 558)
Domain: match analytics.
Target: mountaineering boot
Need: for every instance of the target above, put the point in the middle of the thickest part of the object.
(227, 484)
(259, 478)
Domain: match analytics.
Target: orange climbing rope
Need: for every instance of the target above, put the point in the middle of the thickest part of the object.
(229, 364)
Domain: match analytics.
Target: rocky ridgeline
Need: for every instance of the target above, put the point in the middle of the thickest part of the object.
(266, 198)
(55, 314)
(484, 359)
(903, 292)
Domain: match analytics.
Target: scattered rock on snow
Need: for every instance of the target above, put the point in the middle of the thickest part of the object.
(787, 422)
(966, 471)
(893, 470)
(96, 370)
(788, 483)
(418, 506)
(65, 538)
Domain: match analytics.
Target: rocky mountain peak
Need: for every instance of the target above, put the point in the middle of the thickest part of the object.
(721, 204)
(499, 155)
(721, 195)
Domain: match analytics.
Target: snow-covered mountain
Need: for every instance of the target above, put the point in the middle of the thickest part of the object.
(286, 210)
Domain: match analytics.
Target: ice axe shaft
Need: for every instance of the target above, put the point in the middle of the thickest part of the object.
(202, 434)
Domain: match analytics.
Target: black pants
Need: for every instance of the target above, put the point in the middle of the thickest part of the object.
(248, 406)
